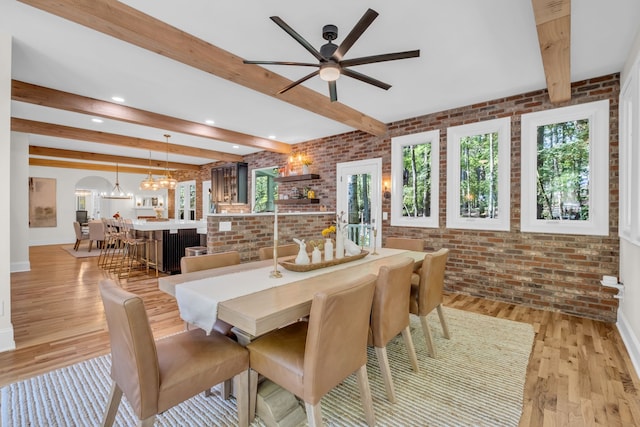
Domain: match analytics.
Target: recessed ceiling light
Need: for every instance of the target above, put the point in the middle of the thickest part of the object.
(210, 122)
(96, 120)
(236, 146)
(271, 137)
(117, 98)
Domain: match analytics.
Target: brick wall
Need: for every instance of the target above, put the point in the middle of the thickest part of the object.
(549, 271)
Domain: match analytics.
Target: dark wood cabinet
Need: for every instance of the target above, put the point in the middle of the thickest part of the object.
(229, 183)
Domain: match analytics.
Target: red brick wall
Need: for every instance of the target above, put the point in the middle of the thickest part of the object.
(549, 271)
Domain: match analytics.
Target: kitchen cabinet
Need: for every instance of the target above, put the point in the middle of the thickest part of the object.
(229, 183)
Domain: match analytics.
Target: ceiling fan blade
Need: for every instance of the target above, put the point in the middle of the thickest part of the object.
(333, 91)
(298, 38)
(380, 58)
(355, 34)
(302, 64)
(296, 83)
(366, 79)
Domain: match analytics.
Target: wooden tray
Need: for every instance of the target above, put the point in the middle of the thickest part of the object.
(292, 266)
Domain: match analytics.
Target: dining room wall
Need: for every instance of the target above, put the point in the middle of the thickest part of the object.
(557, 272)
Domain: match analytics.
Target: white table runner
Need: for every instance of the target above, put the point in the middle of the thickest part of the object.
(198, 300)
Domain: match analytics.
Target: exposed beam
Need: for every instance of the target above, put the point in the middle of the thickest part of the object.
(40, 128)
(132, 26)
(156, 165)
(553, 23)
(39, 95)
(87, 166)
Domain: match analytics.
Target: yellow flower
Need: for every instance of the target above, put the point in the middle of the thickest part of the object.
(327, 231)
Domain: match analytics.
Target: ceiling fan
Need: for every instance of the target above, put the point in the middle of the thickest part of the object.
(330, 63)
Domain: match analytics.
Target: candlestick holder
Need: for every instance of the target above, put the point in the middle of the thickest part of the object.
(275, 273)
(375, 235)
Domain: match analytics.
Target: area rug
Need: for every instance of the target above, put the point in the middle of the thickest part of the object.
(477, 380)
(83, 251)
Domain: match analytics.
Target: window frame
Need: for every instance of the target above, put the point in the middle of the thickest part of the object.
(597, 113)
(502, 127)
(430, 137)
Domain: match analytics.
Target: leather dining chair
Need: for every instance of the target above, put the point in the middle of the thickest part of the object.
(390, 316)
(405, 243)
(311, 358)
(283, 250)
(208, 261)
(426, 294)
(157, 375)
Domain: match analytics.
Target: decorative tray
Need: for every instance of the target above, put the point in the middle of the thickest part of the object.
(290, 265)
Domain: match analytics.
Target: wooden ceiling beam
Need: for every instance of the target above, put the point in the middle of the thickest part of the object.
(156, 165)
(39, 95)
(60, 131)
(553, 23)
(132, 26)
(52, 163)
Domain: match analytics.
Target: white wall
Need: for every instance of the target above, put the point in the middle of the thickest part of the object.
(19, 202)
(66, 180)
(6, 328)
(628, 313)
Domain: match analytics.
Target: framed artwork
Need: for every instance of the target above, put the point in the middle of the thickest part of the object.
(42, 202)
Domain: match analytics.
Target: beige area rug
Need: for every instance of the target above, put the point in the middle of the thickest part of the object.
(83, 250)
(477, 380)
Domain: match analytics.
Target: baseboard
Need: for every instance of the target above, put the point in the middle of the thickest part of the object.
(6, 339)
(20, 266)
(630, 341)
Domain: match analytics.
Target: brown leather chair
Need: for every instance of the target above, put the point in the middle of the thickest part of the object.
(311, 358)
(426, 294)
(405, 243)
(283, 250)
(157, 375)
(390, 316)
(206, 262)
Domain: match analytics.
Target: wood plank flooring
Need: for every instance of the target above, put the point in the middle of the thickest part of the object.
(579, 372)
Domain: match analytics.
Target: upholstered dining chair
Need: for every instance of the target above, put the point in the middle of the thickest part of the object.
(426, 294)
(206, 262)
(158, 375)
(80, 235)
(96, 234)
(404, 243)
(390, 316)
(283, 250)
(311, 358)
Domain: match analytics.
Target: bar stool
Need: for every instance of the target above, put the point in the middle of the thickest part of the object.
(150, 242)
(130, 252)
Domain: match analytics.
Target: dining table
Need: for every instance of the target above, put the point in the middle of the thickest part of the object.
(247, 297)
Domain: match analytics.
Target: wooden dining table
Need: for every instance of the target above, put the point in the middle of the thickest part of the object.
(278, 302)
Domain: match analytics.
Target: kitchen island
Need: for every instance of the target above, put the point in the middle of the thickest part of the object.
(171, 237)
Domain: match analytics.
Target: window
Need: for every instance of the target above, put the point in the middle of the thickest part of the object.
(565, 170)
(264, 189)
(186, 200)
(478, 175)
(414, 179)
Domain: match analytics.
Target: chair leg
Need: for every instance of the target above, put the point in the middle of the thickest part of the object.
(365, 395)
(253, 393)
(408, 342)
(75, 247)
(147, 422)
(385, 370)
(428, 337)
(90, 244)
(241, 390)
(112, 405)
(314, 414)
(225, 389)
(443, 322)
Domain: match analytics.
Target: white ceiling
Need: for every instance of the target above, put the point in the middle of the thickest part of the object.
(471, 51)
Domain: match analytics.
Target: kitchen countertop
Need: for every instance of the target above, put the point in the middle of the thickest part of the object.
(271, 213)
(171, 224)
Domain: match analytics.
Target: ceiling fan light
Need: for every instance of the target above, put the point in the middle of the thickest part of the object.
(329, 72)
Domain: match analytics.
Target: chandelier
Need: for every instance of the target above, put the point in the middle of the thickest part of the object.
(166, 180)
(148, 183)
(117, 192)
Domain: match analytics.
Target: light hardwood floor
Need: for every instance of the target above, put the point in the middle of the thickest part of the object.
(579, 372)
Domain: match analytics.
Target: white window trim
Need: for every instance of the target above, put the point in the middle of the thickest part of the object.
(454, 134)
(432, 137)
(598, 223)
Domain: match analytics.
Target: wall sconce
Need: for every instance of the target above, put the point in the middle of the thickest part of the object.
(386, 193)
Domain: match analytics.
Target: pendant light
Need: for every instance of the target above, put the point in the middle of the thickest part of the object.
(166, 180)
(117, 192)
(148, 183)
